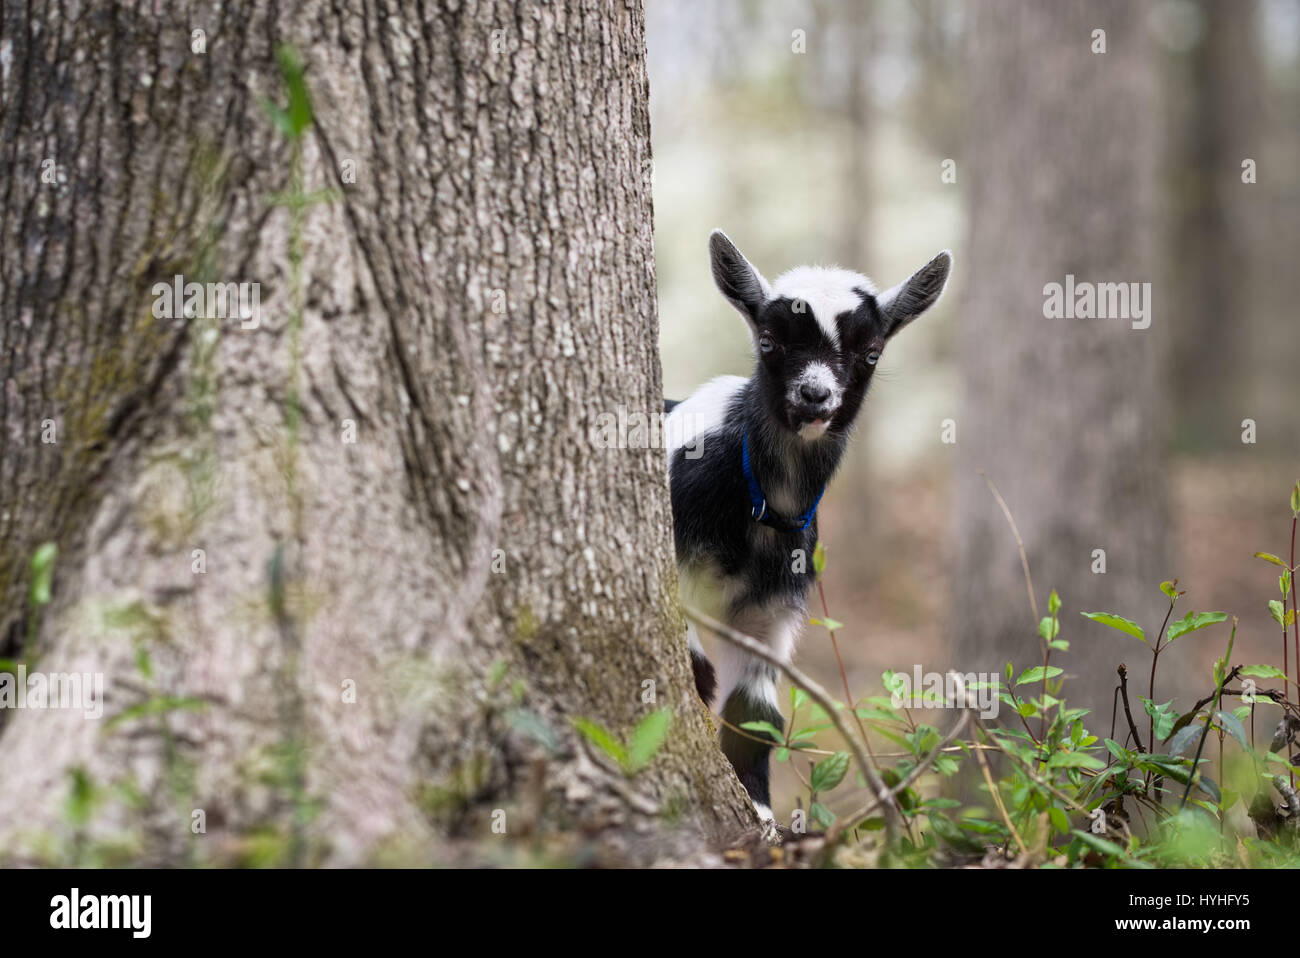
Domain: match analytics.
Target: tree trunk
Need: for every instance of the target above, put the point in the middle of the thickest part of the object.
(1063, 414)
(393, 635)
(1214, 249)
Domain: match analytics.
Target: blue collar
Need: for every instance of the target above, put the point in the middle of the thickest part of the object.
(758, 503)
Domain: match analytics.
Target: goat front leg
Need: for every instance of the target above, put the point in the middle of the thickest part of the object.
(749, 695)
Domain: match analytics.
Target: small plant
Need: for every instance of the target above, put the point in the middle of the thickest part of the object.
(647, 738)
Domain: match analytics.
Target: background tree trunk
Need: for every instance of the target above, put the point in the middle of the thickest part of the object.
(1216, 246)
(1064, 414)
(471, 303)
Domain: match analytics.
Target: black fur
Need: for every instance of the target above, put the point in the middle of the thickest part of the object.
(706, 676)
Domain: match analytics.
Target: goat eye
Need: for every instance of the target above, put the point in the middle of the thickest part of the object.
(765, 344)
(873, 357)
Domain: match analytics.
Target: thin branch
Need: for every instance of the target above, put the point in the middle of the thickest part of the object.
(844, 675)
(1128, 712)
(846, 821)
(1196, 762)
(816, 693)
(997, 800)
(1020, 544)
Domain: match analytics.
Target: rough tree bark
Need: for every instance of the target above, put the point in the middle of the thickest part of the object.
(1064, 414)
(474, 261)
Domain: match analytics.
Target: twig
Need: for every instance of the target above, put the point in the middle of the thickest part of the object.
(844, 676)
(846, 821)
(1196, 762)
(1029, 585)
(1155, 657)
(997, 800)
(816, 693)
(1020, 544)
(1128, 712)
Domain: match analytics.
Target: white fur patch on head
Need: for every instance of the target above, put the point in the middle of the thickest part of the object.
(828, 291)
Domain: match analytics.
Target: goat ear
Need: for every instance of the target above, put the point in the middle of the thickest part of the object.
(909, 299)
(744, 286)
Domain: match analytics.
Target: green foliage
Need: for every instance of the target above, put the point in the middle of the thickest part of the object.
(1058, 794)
(295, 117)
(647, 738)
(42, 574)
(1127, 626)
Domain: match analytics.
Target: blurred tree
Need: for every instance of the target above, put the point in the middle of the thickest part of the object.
(1065, 415)
(1212, 243)
(389, 638)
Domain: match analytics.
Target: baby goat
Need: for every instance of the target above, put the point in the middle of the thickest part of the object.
(749, 460)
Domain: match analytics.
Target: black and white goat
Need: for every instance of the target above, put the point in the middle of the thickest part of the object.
(750, 458)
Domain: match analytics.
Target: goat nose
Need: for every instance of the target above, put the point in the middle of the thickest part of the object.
(814, 393)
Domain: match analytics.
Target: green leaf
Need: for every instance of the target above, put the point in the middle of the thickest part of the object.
(158, 705)
(1275, 610)
(797, 698)
(1269, 557)
(1295, 498)
(1163, 715)
(42, 570)
(1059, 819)
(829, 772)
(819, 558)
(950, 833)
(1263, 672)
(1037, 673)
(1099, 844)
(1193, 621)
(1060, 645)
(648, 737)
(1053, 603)
(1210, 787)
(777, 735)
(1169, 589)
(1116, 749)
(1117, 622)
(1232, 725)
(830, 624)
(1183, 738)
(82, 796)
(1049, 628)
(599, 736)
(298, 112)
(1075, 760)
(143, 663)
(1284, 583)
(822, 815)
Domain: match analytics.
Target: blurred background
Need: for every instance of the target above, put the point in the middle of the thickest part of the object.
(1162, 150)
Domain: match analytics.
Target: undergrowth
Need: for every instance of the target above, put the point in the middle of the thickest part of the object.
(1155, 784)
